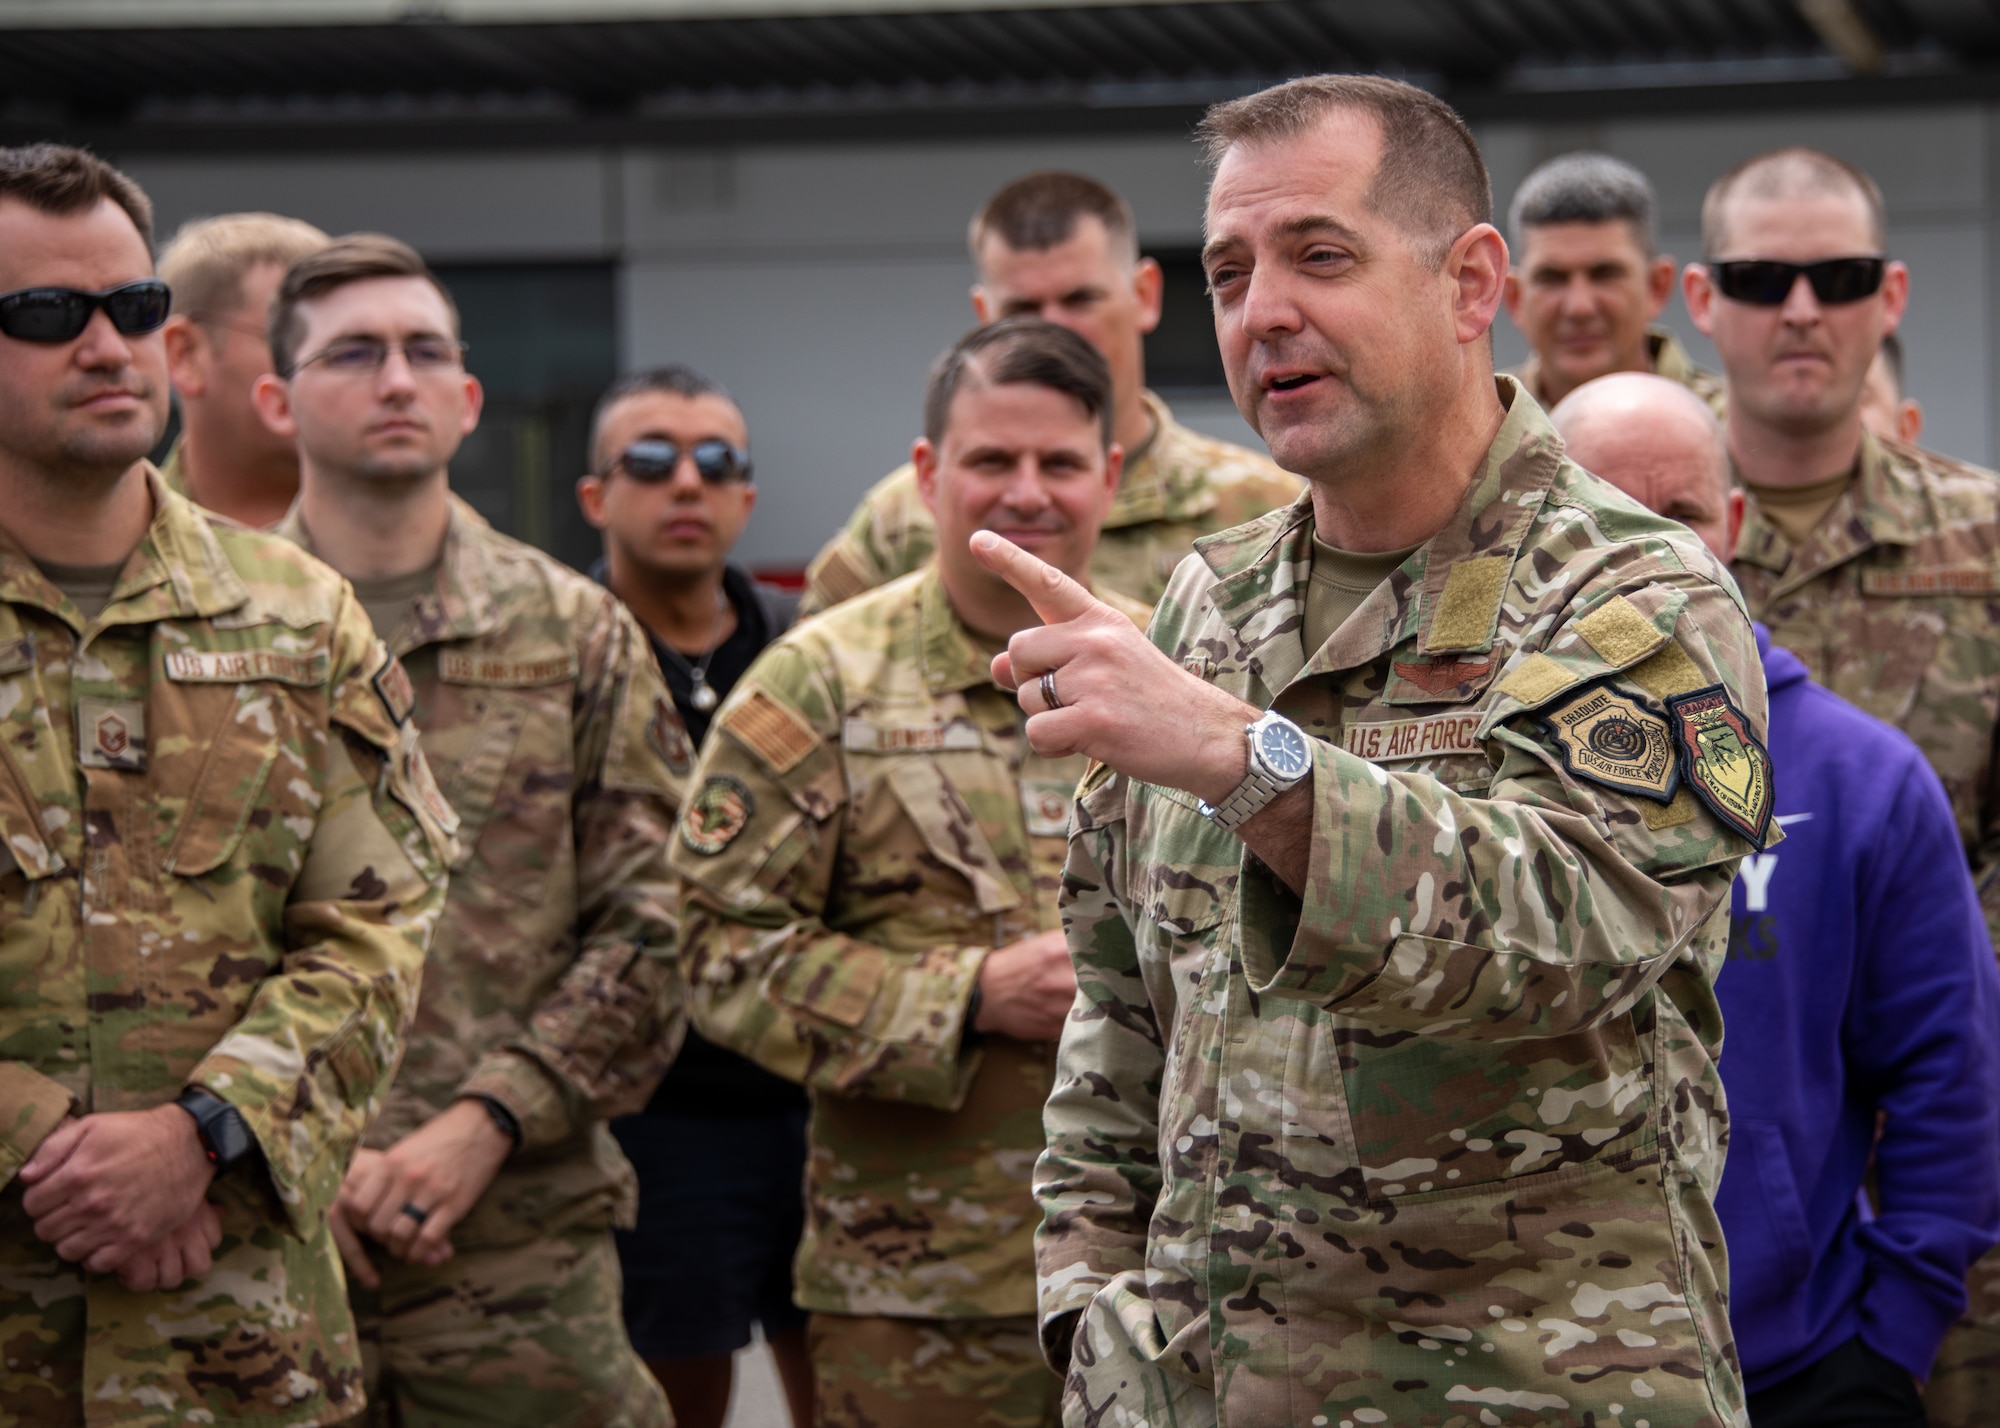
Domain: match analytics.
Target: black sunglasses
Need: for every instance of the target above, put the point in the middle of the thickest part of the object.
(1766, 282)
(61, 314)
(654, 459)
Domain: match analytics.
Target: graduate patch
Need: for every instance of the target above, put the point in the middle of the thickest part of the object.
(718, 812)
(1722, 761)
(1608, 737)
(668, 736)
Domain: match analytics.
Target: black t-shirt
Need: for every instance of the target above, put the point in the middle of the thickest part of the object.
(706, 1079)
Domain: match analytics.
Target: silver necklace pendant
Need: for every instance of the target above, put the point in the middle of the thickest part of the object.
(702, 696)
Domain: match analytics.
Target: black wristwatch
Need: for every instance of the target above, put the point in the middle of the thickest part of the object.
(503, 1119)
(225, 1136)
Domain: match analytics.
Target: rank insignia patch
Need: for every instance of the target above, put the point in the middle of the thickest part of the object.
(669, 739)
(1608, 737)
(718, 812)
(111, 734)
(393, 688)
(1722, 761)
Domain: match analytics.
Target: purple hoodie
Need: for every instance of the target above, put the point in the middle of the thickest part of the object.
(1859, 979)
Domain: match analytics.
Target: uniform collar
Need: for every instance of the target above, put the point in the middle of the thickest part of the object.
(954, 658)
(1447, 595)
(178, 570)
(462, 606)
(1166, 480)
(1881, 506)
(1663, 351)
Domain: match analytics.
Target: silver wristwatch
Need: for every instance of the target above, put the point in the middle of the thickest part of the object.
(1279, 758)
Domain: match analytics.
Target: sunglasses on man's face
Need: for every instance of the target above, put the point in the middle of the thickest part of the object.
(61, 314)
(1766, 282)
(653, 461)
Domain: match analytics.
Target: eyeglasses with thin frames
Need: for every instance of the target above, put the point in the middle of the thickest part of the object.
(364, 356)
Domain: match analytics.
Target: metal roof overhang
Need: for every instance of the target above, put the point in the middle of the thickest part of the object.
(357, 74)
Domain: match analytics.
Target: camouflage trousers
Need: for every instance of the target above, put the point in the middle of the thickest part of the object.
(1964, 1387)
(529, 1336)
(929, 1373)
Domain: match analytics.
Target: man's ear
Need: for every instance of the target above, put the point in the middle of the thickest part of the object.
(1477, 264)
(272, 396)
(1659, 286)
(924, 457)
(590, 499)
(1699, 290)
(187, 356)
(1114, 472)
(1909, 421)
(475, 403)
(1734, 501)
(1149, 286)
(982, 305)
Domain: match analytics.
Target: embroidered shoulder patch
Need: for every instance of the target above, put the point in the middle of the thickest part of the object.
(771, 731)
(393, 688)
(1722, 761)
(717, 814)
(1608, 737)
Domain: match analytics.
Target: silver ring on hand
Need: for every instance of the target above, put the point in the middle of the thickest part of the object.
(1049, 689)
(415, 1211)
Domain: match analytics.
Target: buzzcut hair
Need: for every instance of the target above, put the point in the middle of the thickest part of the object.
(1782, 172)
(1037, 211)
(1431, 180)
(1585, 187)
(1019, 350)
(674, 379)
(206, 261)
(58, 179)
(353, 259)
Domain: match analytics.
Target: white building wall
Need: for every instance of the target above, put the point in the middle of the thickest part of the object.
(818, 281)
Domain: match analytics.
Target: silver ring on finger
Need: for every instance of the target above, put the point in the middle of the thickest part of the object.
(1048, 685)
(416, 1211)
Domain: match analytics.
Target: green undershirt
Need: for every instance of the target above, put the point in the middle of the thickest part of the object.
(1340, 581)
(388, 598)
(88, 587)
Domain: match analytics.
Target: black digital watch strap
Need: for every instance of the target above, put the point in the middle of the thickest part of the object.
(502, 1117)
(224, 1134)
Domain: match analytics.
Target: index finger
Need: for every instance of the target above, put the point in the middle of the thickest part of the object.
(1054, 595)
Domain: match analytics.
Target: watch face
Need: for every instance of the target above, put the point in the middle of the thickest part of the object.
(1283, 749)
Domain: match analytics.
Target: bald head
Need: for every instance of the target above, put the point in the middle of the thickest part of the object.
(1658, 443)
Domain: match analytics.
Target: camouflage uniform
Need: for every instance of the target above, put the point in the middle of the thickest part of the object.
(866, 823)
(551, 987)
(222, 860)
(1438, 1144)
(1666, 357)
(1893, 603)
(173, 470)
(1181, 485)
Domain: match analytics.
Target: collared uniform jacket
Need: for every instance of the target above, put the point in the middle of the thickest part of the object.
(551, 986)
(1665, 357)
(223, 858)
(866, 824)
(1180, 486)
(1436, 1143)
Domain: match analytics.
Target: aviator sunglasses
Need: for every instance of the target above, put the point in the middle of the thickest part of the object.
(653, 460)
(1766, 282)
(61, 314)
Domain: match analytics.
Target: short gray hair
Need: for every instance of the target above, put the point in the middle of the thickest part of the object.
(1584, 188)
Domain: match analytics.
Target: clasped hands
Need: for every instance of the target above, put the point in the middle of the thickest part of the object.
(408, 1198)
(126, 1191)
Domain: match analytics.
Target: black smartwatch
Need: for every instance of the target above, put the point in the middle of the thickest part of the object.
(224, 1135)
(503, 1119)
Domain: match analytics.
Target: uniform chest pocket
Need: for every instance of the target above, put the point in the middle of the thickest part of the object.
(1184, 897)
(950, 829)
(229, 774)
(512, 784)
